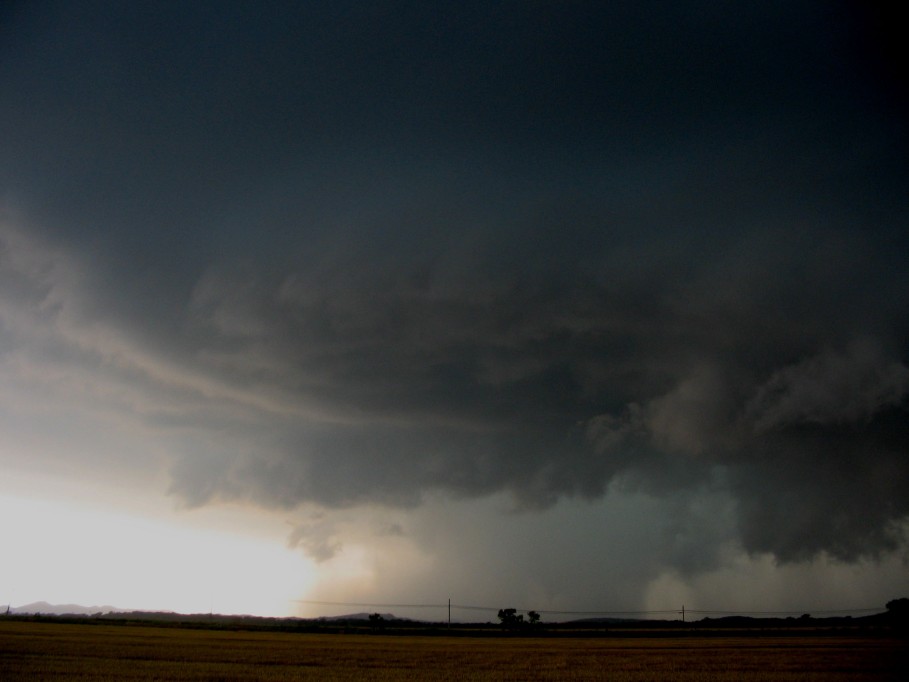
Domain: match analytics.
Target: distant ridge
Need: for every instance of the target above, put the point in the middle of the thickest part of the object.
(43, 607)
(360, 616)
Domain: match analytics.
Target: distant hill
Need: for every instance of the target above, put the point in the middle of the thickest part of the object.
(42, 607)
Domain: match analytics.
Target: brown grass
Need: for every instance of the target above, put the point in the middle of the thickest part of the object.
(46, 651)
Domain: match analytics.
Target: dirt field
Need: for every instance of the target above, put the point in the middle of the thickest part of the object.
(44, 651)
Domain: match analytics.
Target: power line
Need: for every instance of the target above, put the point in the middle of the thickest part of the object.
(875, 609)
(602, 613)
(469, 607)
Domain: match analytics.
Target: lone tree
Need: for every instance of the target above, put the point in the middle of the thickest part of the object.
(533, 617)
(510, 618)
(898, 611)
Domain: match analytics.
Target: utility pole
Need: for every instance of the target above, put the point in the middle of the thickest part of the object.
(683, 613)
(449, 613)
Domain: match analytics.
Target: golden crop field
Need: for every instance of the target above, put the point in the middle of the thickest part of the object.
(50, 651)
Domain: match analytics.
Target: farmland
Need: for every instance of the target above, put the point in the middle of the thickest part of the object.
(45, 651)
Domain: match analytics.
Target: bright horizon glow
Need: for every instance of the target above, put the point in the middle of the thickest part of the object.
(63, 553)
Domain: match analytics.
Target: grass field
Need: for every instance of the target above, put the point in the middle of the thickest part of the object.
(49, 651)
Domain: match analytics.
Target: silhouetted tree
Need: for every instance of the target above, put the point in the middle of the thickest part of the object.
(376, 620)
(510, 618)
(533, 617)
(898, 612)
(898, 606)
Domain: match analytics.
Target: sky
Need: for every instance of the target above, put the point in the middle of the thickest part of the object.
(566, 306)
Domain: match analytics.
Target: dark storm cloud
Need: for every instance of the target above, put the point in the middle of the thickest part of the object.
(354, 253)
(814, 454)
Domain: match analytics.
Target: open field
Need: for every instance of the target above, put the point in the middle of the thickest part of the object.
(45, 651)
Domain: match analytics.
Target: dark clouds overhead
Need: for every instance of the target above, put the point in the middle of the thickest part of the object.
(353, 253)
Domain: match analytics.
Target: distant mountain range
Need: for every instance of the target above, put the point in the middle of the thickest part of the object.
(43, 607)
(46, 609)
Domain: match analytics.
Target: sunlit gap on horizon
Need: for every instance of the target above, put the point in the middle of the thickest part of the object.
(63, 553)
